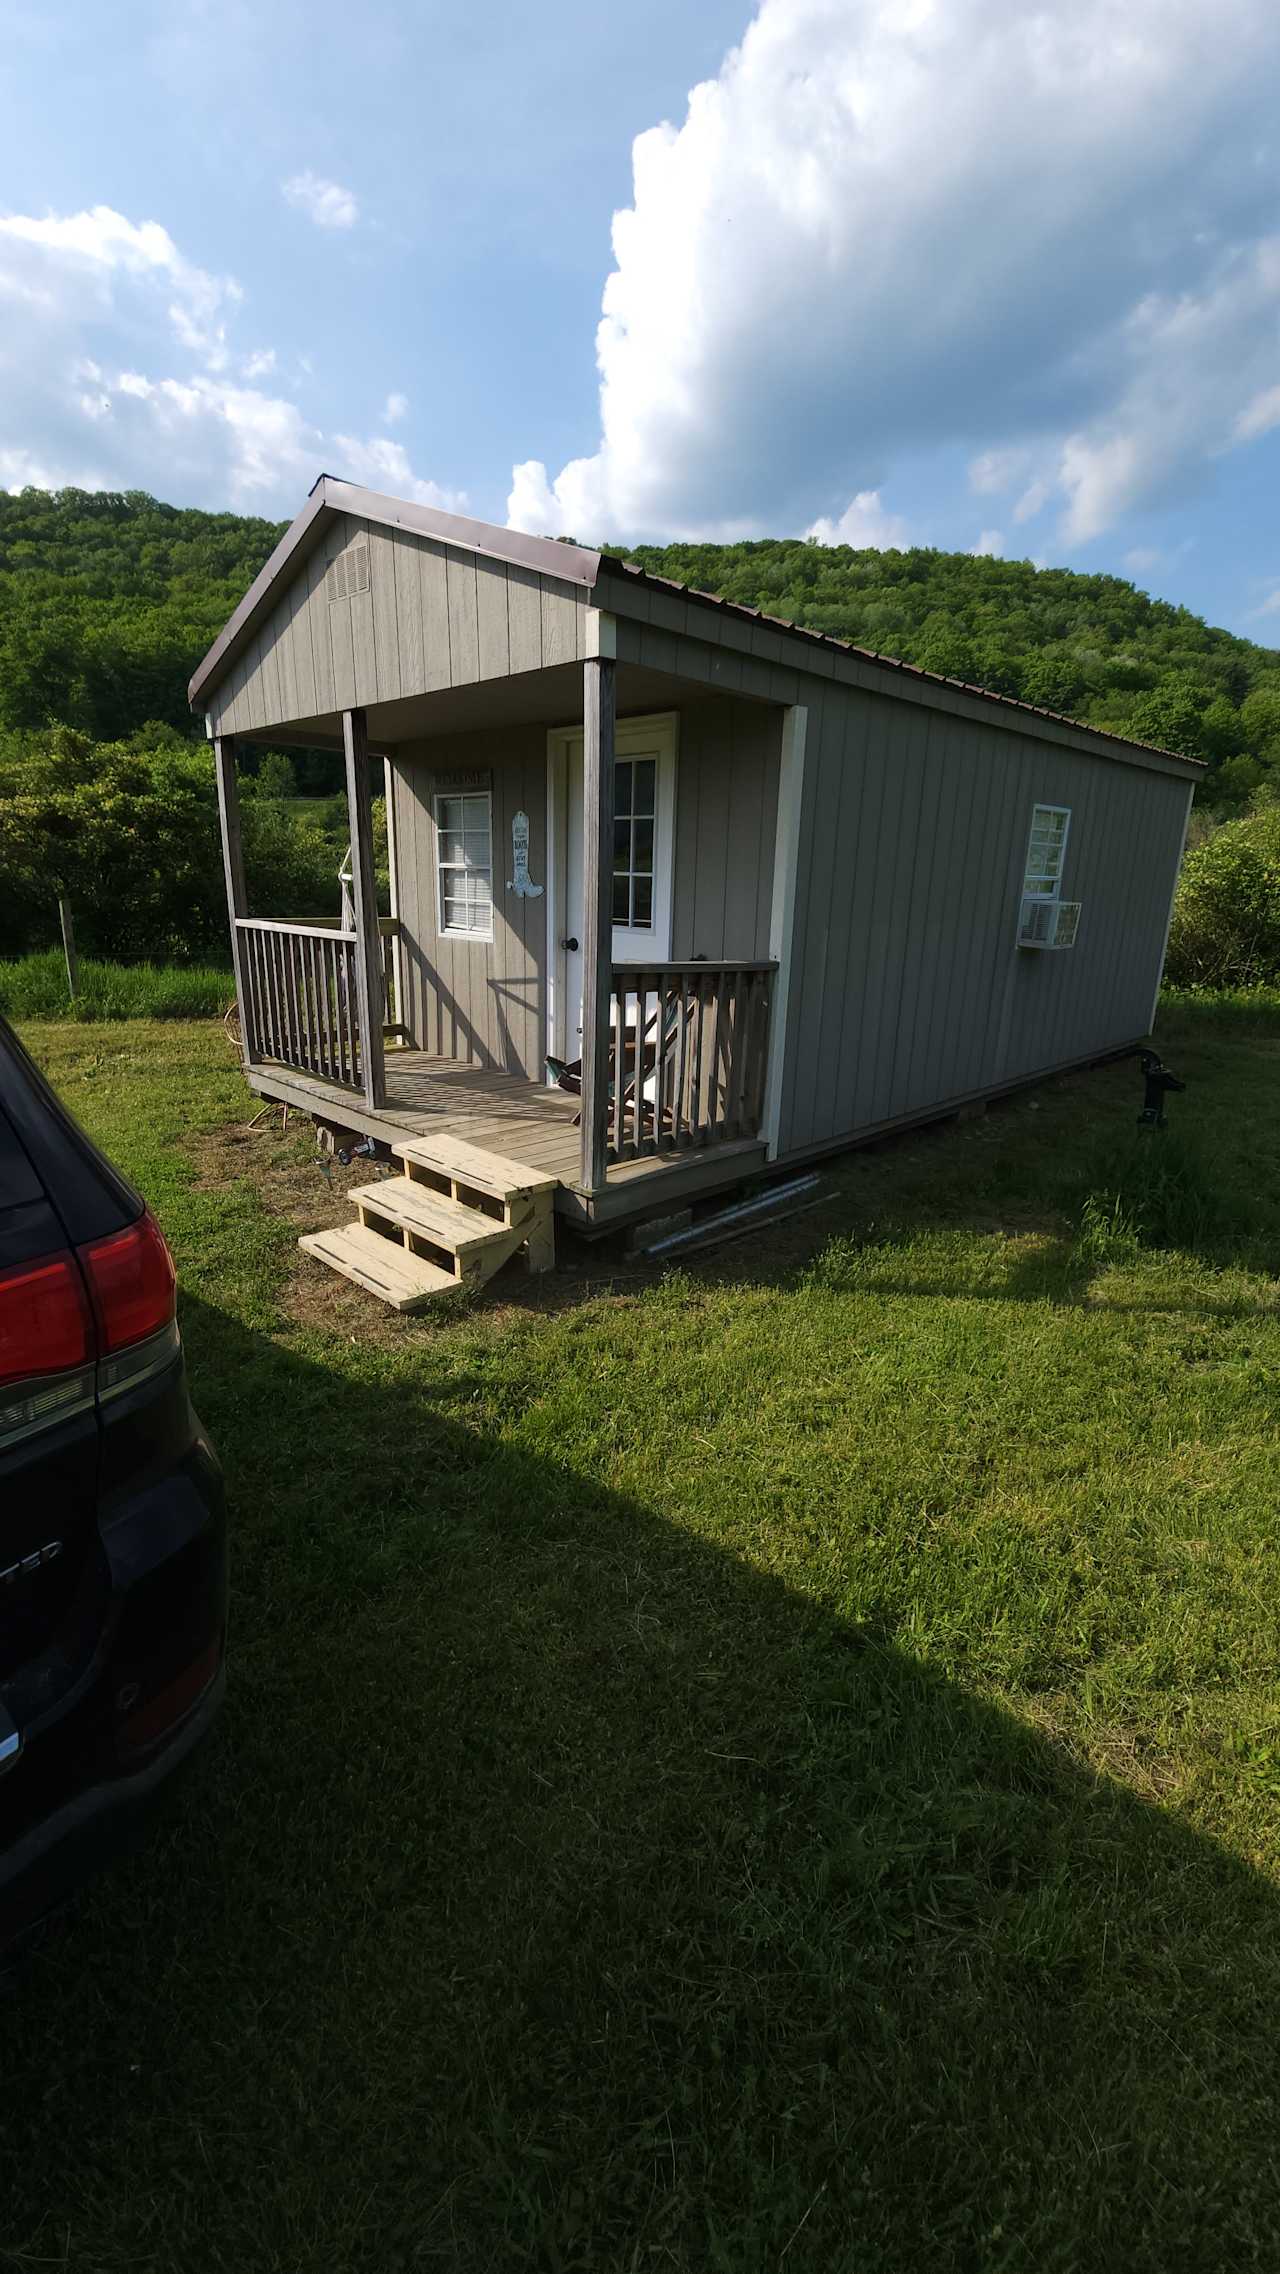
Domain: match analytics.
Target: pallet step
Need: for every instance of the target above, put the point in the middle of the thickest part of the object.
(491, 1173)
(432, 1215)
(386, 1269)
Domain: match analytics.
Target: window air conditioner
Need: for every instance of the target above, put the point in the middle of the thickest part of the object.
(1048, 923)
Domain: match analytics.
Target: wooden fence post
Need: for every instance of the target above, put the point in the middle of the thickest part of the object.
(69, 945)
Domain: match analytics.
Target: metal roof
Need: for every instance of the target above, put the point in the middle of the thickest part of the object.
(331, 497)
(892, 663)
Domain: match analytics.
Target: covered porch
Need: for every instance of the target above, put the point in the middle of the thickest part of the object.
(669, 1097)
(526, 1122)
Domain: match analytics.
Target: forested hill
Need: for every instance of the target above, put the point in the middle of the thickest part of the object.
(1092, 646)
(108, 601)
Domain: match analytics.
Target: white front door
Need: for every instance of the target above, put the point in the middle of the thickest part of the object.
(643, 841)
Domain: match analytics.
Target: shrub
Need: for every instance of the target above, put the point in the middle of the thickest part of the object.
(129, 831)
(1226, 917)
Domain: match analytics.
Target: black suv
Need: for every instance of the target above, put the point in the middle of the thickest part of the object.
(112, 1536)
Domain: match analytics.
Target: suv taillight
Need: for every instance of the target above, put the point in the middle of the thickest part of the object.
(131, 1282)
(44, 1320)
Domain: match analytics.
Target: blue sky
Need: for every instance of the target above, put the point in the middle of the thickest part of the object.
(948, 272)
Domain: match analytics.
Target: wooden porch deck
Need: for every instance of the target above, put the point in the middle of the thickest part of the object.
(523, 1121)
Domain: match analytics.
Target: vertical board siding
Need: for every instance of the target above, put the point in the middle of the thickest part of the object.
(493, 639)
(482, 1002)
(434, 616)
(464, 629)
(386, 613)
(909, 988)
(726, 815)
(524, 619)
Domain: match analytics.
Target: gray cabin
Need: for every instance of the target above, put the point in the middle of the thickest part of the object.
(678, 891)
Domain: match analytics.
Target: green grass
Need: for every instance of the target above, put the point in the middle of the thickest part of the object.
(775, 1765)
(35, 987)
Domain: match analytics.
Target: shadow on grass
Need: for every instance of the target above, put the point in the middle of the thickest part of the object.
(561, 1892)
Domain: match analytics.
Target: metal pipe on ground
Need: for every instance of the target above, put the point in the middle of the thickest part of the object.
(784, 1200)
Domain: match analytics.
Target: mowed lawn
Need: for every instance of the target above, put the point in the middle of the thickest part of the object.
(770, 1766)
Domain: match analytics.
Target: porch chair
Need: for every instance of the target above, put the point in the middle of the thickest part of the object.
(638, 1064)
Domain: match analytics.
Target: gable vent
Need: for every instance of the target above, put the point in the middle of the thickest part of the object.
(348, 571)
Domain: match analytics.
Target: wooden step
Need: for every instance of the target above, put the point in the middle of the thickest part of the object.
(385, 1268)
(432, 1216)
(492, 1173)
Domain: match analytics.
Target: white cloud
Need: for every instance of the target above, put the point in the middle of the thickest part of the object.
(864, 523)
(46, 261)
(1036, 234)
(994, 471)
(384, 465)
(990, 545)
(1270, 606)
(1186, 368)
(1141, 558)
(394, 409)
(326, 203)
(1259, 416)
(153, 406)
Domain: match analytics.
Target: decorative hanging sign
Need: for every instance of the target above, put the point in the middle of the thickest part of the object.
(522, 883)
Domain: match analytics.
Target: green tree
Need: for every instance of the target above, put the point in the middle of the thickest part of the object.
(1172, 716)
(275, 775)
(1260, 721)
(1226, 917)
(129, 830)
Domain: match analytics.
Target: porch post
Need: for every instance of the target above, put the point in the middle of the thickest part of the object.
(597, 911)
(224, 768)
(365, 899)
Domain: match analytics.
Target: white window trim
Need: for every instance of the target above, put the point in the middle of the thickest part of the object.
(1055, 884)
(453, 931)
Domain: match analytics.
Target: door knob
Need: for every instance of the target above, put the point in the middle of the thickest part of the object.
(570, 945)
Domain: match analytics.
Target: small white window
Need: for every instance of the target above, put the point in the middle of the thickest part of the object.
(1045, 919)
(464, 862)
(1046, 852)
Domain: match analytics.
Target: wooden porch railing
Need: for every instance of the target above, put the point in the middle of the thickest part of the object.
(688, 1052)
(303, 1001)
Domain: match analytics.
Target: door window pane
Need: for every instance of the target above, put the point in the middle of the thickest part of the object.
(635, 787)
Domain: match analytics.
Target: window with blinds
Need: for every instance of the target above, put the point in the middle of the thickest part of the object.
(464, 862)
